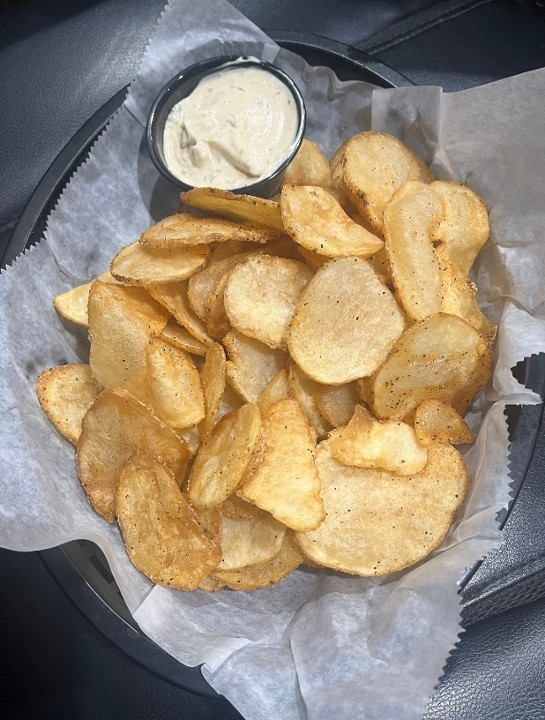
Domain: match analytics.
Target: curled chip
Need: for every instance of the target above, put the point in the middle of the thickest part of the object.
(176, 392)
(369, 443)
(181, 338)
(261, 295)
(184, 229)
(223, 458)
(254, 577)
(374, 165)
(213, 384)
(162, 534)
(411, 221)
(285, 481)
(316, 221)
(72, 304)
(114, 428)
(137, 265)
(309, 167)
(337, 402)
(250, 541)
(346, 323)
(306, 392)
(65, 394)
(251, 365)
(378, 522)
(441, 358)
(277, 389)
(173, 297)
(239, 207)
(435, 421)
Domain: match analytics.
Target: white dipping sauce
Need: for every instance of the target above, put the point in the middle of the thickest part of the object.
(234, 129)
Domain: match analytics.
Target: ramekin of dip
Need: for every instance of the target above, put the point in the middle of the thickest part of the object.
(234, 123)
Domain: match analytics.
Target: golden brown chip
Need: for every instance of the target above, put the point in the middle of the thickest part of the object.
(251, 365)
(441, 358)
(213, 384)
(138, 265)
(374, 166)
(65, 394)
(223, 458)
(311, 258)
(337, 402)
(277, 389)
(238, 509)
(265, 574)
(217, 321)
(306, 391)
(336, 169)
(239, 207)
(378, 522)
(162, 534)
(435, 421)
(369, 443)
(250, 541)
(181, 338)
(72, 305)
(261, 295)
(309, 167)
(346, 323)
(315, 220)
(176, 392)
(173, 297)
(183, 230)
(114, 429)
(192, 438)
(285, 481)
(211, 584)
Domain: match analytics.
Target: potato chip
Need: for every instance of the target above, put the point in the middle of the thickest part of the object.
(177, 396)
(251, 365)
(346, 323)
(213, 384)
(306, 391)
(173, 297)
(222, 251)
(238, 509)
(435, 421)
(261, 295)
(315, 220)
(249, 542)
(183, 230)
(277, 389)
(464, 227)
(138, 265)
(211, 584)
(114, 429)
(122, 320)
(312, 258)
(72, 305)
(309, 167)
(254, 577)
(285, 481)
(217, 322)
(336, 403)
(236, 206)
(336, 168)
(378, 522)
(411, 220)
(374, 166)
(369, 443)
(162, 534)
(65, 394)
(192, 438)
(223, 458)
(181, 338)
(441, 358)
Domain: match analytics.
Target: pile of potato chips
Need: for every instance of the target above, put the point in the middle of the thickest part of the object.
(281, 382)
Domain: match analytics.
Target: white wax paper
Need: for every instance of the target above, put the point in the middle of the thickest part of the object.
(320, 644)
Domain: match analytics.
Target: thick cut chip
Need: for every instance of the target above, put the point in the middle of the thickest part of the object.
(122, 321)
(277, 389)
(213, 384)
(72, 304)
(464, 227)
(311, 258)
(267, 574)
(374, 166)
(346, 323)
(336, 168)
(114, 429)
(309, 167)
(239, 207)
(411, 220)
(224, 457)
(306, 392)
(315, 220)
(251, 365)
(65, 394)
(192, 438)
(435, 421)
(249, 542)
(173, 297)
(441, 358)
(184, 229)
(238, 509)
(261, 295)
(369, 443)
(285, 481)
(176, 392)
(217, 321)
(337, 402)
(378, 522)
(162, 534)
(181, 338)
(138, 265)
